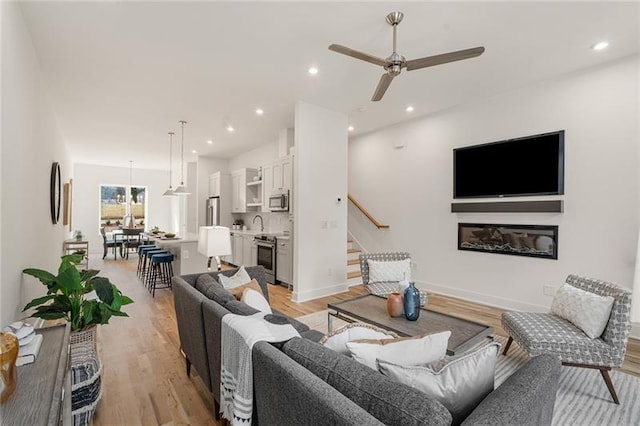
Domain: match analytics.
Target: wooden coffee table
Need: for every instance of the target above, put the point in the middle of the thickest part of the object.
(372, 310)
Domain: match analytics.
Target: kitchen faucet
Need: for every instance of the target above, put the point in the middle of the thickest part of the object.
(261, 222)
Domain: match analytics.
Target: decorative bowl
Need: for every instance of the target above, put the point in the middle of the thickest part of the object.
(169, 235)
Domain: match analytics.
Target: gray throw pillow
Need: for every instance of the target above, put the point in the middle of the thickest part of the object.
(212, 289)
(460, 384)
(390, 402)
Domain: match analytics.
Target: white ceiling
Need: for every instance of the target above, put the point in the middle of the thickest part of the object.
(121, 74)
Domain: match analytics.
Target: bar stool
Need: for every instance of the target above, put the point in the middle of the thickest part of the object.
(141, 255)
(146, 262)
(162, 268)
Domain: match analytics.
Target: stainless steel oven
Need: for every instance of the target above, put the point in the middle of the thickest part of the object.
(266, 245)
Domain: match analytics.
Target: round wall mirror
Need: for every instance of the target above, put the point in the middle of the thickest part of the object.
(55, 192)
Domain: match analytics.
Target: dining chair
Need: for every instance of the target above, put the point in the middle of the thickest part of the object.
(107, 243)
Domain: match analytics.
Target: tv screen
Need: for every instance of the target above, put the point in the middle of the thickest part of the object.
(533, 165)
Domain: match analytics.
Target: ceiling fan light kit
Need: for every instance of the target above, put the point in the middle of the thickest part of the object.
(394, 63)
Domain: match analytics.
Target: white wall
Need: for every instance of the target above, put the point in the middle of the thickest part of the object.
(31, 142)
(255, 158)
(86, 197)
(411, 189)
(320, 176)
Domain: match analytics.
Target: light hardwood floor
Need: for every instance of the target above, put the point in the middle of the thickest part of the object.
(144, 379)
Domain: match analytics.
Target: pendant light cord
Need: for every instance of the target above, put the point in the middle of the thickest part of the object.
(182, 123)
(170, 157)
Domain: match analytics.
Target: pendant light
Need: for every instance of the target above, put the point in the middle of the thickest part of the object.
(128, 221)
(182, 190)
(170, 192)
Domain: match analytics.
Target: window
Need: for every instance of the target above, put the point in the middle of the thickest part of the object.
(113, 205)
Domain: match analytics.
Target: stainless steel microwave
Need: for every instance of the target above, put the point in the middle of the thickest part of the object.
(279, 201)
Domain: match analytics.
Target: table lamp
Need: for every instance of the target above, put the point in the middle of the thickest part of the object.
(214, 241)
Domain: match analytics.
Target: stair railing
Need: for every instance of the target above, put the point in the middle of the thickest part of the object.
(366, 213)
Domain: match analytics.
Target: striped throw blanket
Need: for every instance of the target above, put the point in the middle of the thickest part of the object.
(239, 334)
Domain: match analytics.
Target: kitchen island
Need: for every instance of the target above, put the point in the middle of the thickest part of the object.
(186, 260)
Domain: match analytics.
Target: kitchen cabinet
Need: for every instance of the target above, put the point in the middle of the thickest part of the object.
(243, 250)
(284, 261)
(237, 250)
(247, 243)
(241, 194)
(214, 184)
(276, 176)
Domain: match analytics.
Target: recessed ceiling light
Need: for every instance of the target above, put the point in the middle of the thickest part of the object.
(313, 70)
(351, 128)
(409, 108)
(230, 129)
(210, 142)
(259, 111)
(601, 45)
(193, 151)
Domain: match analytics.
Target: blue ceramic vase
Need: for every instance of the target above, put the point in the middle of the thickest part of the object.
(411, 302)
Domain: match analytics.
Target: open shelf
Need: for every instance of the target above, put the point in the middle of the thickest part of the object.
(254, 204)
(254, 183)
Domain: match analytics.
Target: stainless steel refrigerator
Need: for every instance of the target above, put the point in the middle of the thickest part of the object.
(213, 211)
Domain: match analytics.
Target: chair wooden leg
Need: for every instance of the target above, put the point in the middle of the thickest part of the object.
(607, 380)
(604, 371)
(216, 409)
(507, 346)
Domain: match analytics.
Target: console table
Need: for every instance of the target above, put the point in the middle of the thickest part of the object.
(43, 392)
(73, 245)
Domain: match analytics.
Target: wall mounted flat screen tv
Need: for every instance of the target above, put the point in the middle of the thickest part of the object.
(532, 165)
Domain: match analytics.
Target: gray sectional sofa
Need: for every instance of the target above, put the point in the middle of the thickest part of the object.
(303, 383)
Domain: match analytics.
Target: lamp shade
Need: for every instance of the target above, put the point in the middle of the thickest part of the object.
(214, 241)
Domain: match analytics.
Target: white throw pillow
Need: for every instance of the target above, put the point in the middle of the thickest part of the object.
(396, 270)
(239, 278)
(256, 300)
(337, 340)
(406, 350)
(587, 311)
(460, 385)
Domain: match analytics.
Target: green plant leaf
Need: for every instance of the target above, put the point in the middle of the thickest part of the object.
(69, 280)
(39, 301)
(119, 314)
(46, 278)
(124, 300)
(103, 288)
(62, 301)
(116, 304)
(105, 313)
(88, 274)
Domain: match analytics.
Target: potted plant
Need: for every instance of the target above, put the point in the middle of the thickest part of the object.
(68, 295)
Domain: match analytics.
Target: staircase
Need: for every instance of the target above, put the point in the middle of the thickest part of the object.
(354, 277)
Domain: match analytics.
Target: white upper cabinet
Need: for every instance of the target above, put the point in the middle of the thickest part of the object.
(241, 195)
(276, 176)
(214, 184)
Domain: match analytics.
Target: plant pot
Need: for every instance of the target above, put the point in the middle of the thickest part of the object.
(86, 336)
(395, 306)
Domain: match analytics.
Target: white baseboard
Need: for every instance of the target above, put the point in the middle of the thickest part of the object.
(306, 296)
(472, 296)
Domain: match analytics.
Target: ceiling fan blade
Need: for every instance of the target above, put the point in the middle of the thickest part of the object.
(444, 58)
(358, 55)
(383, 85)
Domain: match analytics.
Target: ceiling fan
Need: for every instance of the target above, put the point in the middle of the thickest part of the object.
(394, 63)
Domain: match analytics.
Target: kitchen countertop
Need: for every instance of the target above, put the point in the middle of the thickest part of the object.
(188, 238)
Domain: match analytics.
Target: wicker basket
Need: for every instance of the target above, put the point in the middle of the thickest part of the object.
(85, 336)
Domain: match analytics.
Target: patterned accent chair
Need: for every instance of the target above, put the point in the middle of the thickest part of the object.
(383, 288)
(539, 333)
